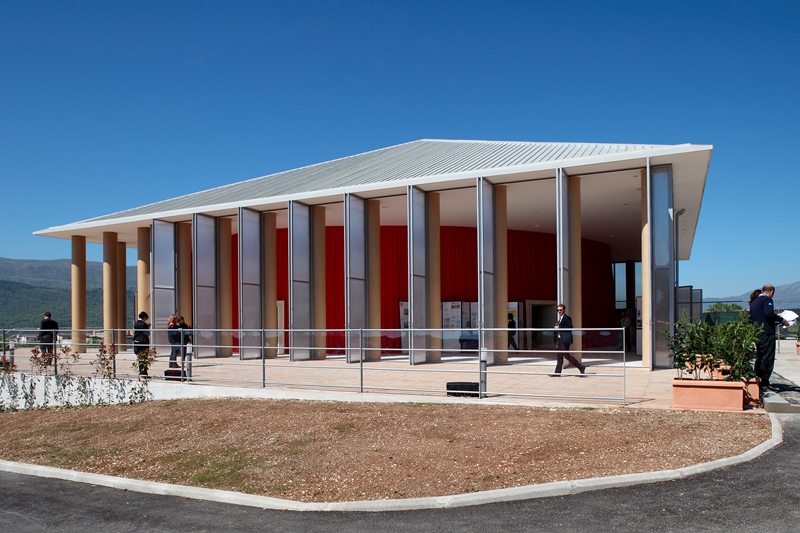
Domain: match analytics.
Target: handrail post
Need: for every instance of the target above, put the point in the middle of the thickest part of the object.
(361, 359)
(263, 362)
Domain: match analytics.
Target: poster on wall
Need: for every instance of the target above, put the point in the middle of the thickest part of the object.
(403, 325)
(451, 319)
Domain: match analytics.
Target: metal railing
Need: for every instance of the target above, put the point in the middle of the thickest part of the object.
(357, 360)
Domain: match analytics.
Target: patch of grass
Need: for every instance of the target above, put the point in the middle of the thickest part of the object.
(294, 447)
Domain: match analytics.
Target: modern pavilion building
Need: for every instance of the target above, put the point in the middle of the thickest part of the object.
(350, 244)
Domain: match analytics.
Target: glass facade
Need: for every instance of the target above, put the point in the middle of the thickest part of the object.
(250, 290)
(300, 294)
(163, 279)
(355, 220)
(418, 271)
(486, 265)
(205, 289)
(663, 261)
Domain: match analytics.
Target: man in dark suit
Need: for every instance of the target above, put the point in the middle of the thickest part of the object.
(48, 329)
(564, 341)
(141, 341)
(762, 311)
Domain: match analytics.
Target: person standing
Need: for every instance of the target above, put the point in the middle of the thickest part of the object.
(625, 324)
(141, 340)
(186, 337)
(512, 332)
(564, 341)
(762, 311)
(47, 334)
(174, 337)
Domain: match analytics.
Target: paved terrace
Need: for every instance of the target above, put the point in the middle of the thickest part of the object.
(525, 379)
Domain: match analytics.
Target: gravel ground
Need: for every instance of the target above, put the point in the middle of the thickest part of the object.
(333, 451)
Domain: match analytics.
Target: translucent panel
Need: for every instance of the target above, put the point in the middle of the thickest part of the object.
(420, 302)
(358, 299)
(251, 307)
(487, 224)
(300, 241)
(301, 304)
(205, 321)
(250, 246)
(357, 236)
(663, 262)
(301, 319)
(163, 266)
(205, 250)
(163, 308)
(419, 233)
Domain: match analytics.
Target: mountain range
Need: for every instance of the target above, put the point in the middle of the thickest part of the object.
(29, 287)
(786, 296)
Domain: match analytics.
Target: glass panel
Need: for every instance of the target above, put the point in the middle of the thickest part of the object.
(163, 308)
(163, 254)
(301, 319)
(250, 245)
(358, 309)
(205, 251)
(357, 238)
(205, 321)
(663, 263)
(419, 234)
(301, 242)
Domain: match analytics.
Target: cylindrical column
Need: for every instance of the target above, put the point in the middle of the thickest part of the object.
(122, 299)
(374, 278)
(501, 270)
(110, 254)
(318, 283)
(270, 261)
(225, 286)
(647, 306)
(184, 281)
(434, 277)
(78, 294)
(143, 270)
(575, 304)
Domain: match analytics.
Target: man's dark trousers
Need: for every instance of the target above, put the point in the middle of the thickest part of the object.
(765, 358)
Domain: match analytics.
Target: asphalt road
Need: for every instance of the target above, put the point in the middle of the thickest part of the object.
(761, 495)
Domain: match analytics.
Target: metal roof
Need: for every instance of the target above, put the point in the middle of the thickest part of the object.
(424, 158)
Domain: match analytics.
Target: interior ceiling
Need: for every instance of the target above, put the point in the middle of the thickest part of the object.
(610, 209)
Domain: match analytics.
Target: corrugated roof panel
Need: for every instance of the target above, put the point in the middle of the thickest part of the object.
(424, 158)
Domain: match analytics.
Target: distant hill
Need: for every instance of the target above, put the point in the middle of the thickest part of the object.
(786, 296)
(55, 273)
(30, 287)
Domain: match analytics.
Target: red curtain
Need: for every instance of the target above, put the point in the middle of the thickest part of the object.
(531, 274)
(531, 266)
(394, 279)
(334, 286)
(597, 285)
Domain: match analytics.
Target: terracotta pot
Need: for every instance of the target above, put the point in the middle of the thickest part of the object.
(708, 395)
(752, 394)
(797, 348)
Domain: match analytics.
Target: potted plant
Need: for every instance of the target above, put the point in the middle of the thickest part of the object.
(713, 363)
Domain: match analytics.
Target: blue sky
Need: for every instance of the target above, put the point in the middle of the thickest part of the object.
(106, 105)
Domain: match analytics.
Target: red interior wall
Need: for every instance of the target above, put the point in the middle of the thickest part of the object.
(531, 274)
(334, 284)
